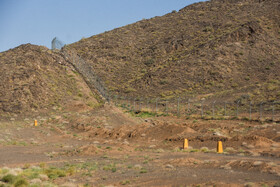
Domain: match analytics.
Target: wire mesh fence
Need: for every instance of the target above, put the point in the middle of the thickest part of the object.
(180, 106)
(85, 69)
(202, 108)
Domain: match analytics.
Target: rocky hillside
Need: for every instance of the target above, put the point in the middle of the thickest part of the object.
(33, 78)
(219, 47)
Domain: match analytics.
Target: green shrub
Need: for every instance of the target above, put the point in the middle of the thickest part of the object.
(54, 173)
(9, 178)
(21, 182)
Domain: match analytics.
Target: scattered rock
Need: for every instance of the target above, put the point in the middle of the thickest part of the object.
(218, 134)
(159, 150)
(152, 146)
(137, 166)
(143, 135)
(96, 142)
(250, 147)
(126, 142)
(257, 163)
(169, 166)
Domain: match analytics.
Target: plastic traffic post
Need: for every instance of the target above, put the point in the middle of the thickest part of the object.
(186, 144)
(219, 147)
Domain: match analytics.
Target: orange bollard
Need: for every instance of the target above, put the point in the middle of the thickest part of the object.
(219, 147)
(35, 123)
(186, 144)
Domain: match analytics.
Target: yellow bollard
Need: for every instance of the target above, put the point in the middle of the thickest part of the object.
(35, 123)
(186, 144)
(219, 147)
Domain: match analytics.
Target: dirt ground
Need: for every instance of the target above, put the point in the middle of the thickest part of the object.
(108, 147)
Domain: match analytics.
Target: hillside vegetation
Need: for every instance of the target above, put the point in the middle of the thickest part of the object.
(34, 78)
(221, 48)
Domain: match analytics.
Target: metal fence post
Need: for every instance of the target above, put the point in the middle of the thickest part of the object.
(250, 111)
(140, 104)
(202, 109)
(225, 109)
(166, 106)
(261, 110)
(188, 106)
(237, 104)
(273, 111)
(127, 102)
(156, 104)
(134, 108)
(178, 106)
(123, 102)
(116, 97)
(213, 108)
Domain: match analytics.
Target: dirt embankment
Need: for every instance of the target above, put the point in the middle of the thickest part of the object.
(35, 78)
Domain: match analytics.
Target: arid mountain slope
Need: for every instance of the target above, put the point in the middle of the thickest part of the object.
(224, 47)
(35, 78)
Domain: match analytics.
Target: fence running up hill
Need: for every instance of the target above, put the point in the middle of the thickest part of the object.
(85, 69)
(205, 109)
(178, 106)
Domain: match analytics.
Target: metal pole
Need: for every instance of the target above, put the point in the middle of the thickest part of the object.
(166, 107)
(213, 108)
(261, 110)
(250, 112)
(188, 106)
(202, 109)
(273, 111)
(178, 106)
(156, 104)
(237, 108)
(225, 108)
(127, 102)
(123, 102)
(116, 99)
(134, 108)
(140, 104)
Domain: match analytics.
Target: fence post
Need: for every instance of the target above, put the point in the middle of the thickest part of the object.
(237, 104)
(225, 108)
(188, 106)
(213, 109)
(178, 106)
(273, 111)
(116, 99)
(156, 104)
(127, 102)
(202, 108)
(134, 107)
(250, 111)
(261, 110)
(140, 104)
(123, 102)
(166, 107)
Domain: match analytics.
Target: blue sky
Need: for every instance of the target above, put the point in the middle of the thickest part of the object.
(39, 21)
